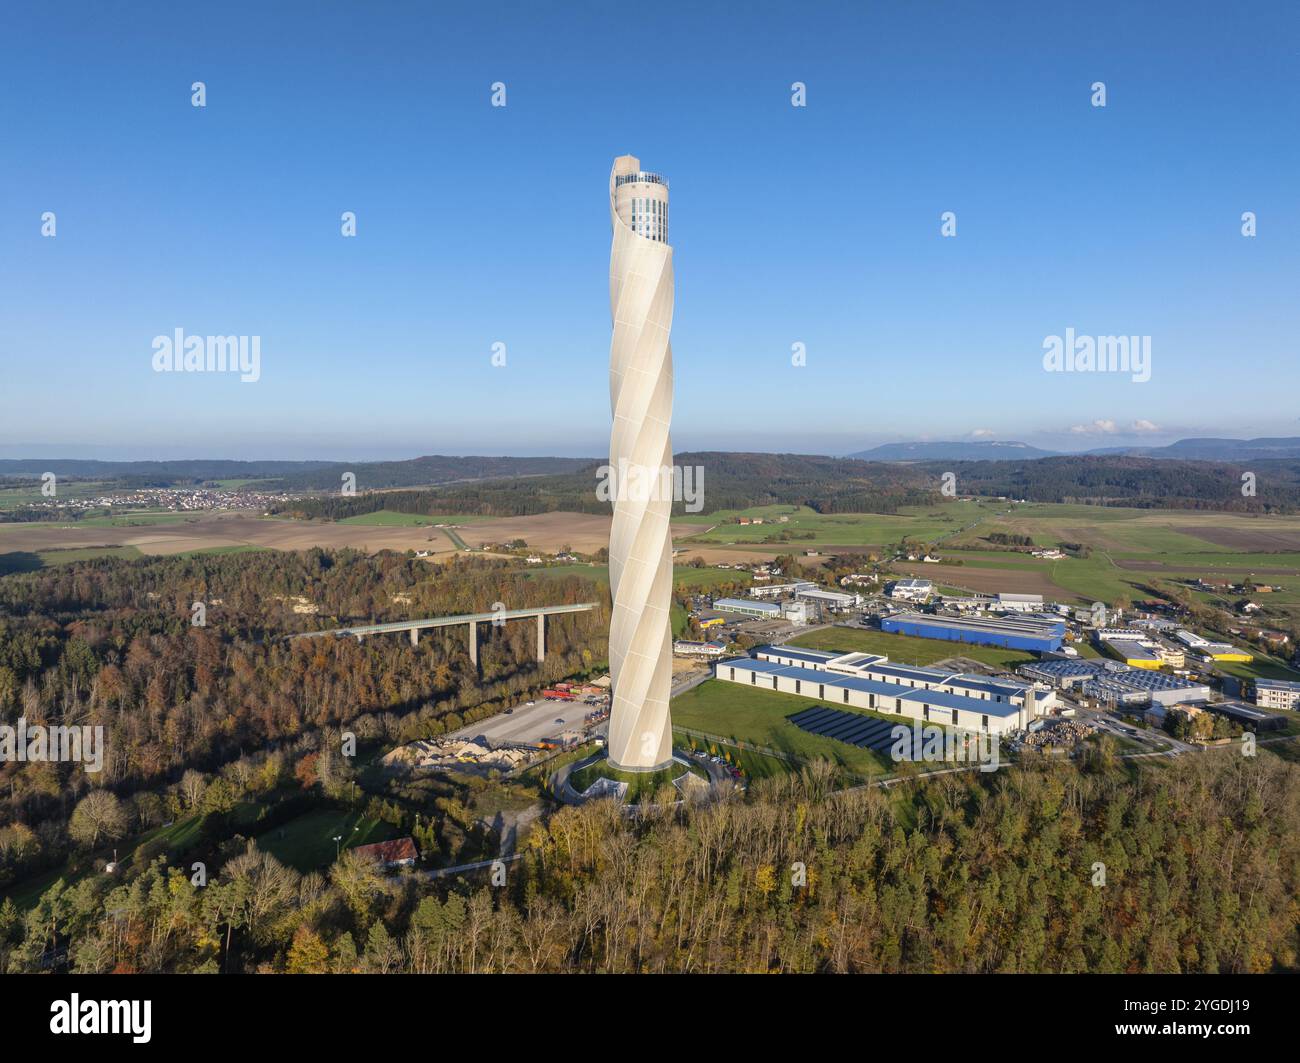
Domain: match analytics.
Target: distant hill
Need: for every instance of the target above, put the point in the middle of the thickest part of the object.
(1209, 449)
(955, 450)
(1215, 449)
(294, 475)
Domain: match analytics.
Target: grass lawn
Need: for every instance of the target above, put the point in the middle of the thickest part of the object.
(307, 843)
(641, 785)
(754, 765)
(63, 557)
(175, 838)
(757, 716)
(907, 649)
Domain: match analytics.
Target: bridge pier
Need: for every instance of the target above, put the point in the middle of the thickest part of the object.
(473, 642)
(541, 637)
(415, 636)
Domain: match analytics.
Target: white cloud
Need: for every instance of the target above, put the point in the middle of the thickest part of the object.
(982, 433)
(1098, 427)
(1143, 425)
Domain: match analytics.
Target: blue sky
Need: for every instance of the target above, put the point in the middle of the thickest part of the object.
(477, 225)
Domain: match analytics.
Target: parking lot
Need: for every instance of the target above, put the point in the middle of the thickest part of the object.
(532, 723)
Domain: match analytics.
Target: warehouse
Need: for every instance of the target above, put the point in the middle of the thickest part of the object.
(933, 706)
(833, 600)
(1215, 651)
(878, 669)
(1133, 649)
(1115, 685)
(764, 610)
(1064, 675)
(1020, 603)
(1041, 636)
(777, 590)
(1247, 716)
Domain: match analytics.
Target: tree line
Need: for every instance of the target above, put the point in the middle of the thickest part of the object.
(1040, 867)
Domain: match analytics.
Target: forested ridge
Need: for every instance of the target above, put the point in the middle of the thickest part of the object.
(844, 485)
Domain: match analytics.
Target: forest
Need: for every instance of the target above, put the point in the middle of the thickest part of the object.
(1045, 867)
(111, 643)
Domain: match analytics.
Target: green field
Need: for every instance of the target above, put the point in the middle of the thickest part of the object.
(307, 843)
(836, 529)
(640, 785)
(907, 649)
(63, 557)
(754, 765)
(757, 716)
(18, 497)
(230, 485)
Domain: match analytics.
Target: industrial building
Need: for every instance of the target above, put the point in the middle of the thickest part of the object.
(763, 610)
(878, 667)
(912, 590)
(1020, 603)
(836, 601)
(1277, 693)
(1136, 648)
(1247, 716)
(1042, 636)
(917, 703)
(1115, 685)
(1215, 651)
(797, 611)
(778, 590)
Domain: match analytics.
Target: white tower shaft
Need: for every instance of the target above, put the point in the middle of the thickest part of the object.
(641, 398)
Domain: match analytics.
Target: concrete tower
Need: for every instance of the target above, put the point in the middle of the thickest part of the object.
(641, 398)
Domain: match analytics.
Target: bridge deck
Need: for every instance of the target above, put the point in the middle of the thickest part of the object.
(446, 621)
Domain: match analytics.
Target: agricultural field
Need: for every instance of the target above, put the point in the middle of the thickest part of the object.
(684, 576)
(1130, 550)
(387, 518)
(834, 529)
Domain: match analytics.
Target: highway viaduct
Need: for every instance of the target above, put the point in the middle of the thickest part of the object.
(472, 620)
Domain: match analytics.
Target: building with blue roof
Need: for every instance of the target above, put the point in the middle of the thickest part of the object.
(994, 716)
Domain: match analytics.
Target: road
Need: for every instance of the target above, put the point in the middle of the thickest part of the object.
(1107, 724)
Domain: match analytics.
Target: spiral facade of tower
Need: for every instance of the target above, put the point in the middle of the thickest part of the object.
(641, 399)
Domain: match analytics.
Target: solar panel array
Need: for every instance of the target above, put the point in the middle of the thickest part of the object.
(866, 732)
